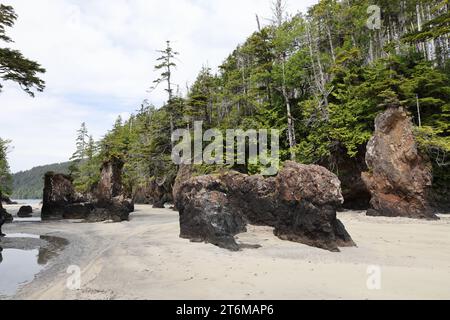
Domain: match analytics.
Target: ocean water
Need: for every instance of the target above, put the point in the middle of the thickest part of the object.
(30, 202)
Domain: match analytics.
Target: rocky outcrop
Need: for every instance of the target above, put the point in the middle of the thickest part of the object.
(300, 203)
(154, 193)
(107, 203)
(349, 170)
(5, 217)
(110, 185)
(256, 196)
(206, 213)
(25, 212)
(141, 195)
(157, 192)
(399, 178)
(2, 218)
(6, 200)
(308, 197)
(59, 196)
(185, 172)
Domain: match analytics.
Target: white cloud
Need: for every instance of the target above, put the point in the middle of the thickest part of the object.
(99, 57)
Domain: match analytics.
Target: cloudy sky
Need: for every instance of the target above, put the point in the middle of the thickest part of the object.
(99, 56)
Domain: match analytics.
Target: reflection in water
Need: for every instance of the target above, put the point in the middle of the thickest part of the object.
(22, 257)
(17, 268)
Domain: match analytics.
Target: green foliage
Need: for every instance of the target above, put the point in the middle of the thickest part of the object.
(13, 65)
(5, 173)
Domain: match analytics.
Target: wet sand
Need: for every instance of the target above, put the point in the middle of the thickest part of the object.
(145, 259)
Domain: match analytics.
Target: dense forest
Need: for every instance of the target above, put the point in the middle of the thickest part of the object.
(30, 184)
(320, 77)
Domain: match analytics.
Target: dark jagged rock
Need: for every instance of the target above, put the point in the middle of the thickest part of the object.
(117, 210)
(354, 190)
(308, 197)
(399, 178)
(59, 194)
(5, 217)
(206, 213)
(256, 196)
(7, 200)
(159, 193)
(62, 202)
(185, 172)
(2, 218)
(154, 193)
(141, 195)
(301, 204)
(25, 212)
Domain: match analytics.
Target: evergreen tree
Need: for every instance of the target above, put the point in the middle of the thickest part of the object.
(13, 65)
(5, 173)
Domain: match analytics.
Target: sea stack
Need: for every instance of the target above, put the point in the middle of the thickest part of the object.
(399, 177)
(300, 203)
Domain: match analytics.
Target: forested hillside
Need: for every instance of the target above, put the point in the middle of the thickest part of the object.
(30, 184)
(321, 78)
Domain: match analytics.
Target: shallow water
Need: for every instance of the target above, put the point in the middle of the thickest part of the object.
(22, 235)
(22, 257)
(30, 202)
(17, 267)
(33, 219)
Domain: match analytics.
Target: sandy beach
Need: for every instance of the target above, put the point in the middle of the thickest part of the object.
(145, 259)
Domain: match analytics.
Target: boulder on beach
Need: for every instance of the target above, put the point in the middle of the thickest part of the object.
(399, 177)
(300, 203)
(25, 212)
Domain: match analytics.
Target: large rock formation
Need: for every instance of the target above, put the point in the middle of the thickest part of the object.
(107, 203)
(300, 203)
(110, 185)
(308, 197)
(399, 178)
(6, 200)
(156, 193)
(59, 197)
(206, 213)
(185, 172)
(2, 218)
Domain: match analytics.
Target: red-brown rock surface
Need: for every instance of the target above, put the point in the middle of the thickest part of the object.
(108, 203)
(300, 203)
(399, 178)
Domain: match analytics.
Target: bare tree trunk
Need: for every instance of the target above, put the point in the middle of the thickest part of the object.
(330, 40)
(291, 128)
(418, 111)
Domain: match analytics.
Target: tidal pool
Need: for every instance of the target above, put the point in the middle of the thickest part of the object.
(22, 257)
(17, 267)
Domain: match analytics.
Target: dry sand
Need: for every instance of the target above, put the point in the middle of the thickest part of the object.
(145, 259)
